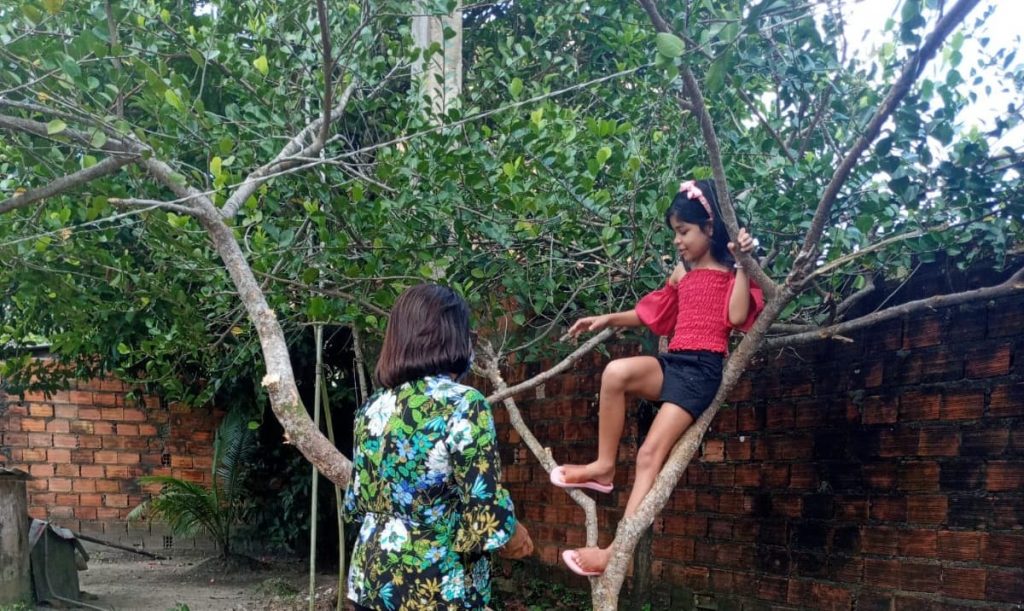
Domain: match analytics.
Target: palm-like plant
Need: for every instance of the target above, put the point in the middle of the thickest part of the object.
(189, 508)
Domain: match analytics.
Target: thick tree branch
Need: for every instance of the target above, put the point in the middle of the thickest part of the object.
(707, 128)
(66, 183)
(286, 158)
(911, 71)
(1012, 285)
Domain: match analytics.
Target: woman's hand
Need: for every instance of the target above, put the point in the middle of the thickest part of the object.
(519, 546)
(590, 323)
(745, 241)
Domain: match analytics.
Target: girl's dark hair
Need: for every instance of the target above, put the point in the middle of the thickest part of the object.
(689, 210)
(428, 334)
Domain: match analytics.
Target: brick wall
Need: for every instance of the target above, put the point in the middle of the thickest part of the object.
(85, 449)
(885, 472)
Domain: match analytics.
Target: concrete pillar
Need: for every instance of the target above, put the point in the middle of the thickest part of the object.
(15, 579)
(440, 78)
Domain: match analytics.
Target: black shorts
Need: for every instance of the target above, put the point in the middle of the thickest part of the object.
(691, 380)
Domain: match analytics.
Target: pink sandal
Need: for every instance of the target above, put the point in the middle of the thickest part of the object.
(558, 479)
(570, 561)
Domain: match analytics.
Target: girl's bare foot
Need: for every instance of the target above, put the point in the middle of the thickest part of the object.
(592, 559)
(592, 472)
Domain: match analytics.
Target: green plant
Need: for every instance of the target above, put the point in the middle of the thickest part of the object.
(189, 508)
(179, 607)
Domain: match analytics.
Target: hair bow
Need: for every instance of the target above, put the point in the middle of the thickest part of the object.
(692, 191)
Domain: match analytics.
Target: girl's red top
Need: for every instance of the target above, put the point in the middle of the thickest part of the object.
(695, 312)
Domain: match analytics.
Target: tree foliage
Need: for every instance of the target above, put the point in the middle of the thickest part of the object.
(155, 152)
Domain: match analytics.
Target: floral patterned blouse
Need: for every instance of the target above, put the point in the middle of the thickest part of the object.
(425, 496)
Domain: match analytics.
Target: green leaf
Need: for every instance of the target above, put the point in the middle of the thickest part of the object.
(261, 64)
(53, 6)
(669, 45)
(98, 139)
(172, 98)
(603, 154)
(123, 348)
(215, 167)
(516, 87)
(55, 127)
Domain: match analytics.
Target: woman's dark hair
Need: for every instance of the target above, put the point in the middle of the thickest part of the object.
(691, 211)
(428, 334)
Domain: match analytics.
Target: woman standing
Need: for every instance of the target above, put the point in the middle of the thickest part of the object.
(424, 490)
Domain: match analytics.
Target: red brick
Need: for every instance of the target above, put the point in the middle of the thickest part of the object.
(881, 540)
(939, 442)
(963, 405)
(84, 427)
(1003, 549)
(131, 430)
(1004, 586)
(127, 458)
(70, 500)
(919, 577)
(880, 476)
(899, 442)
(33, 425)
(107, 485)
(92, 442)
(83, 485)
(880, 410)
(89, 413)
(1007, 401)
(58, 426)
(927, 509)
(923, 331)
(1004, 476)
(963, 583)
(919, 543)
(68, 471)
(984, 442)
(40, 410)
(80, 397)
(103, 428)
(112, 413)
(68, 412)
(988, 361)
(958, 545)
(65, 441)
(108, 513)
(92, 500)
(41, 470)
(105, 457)
(59, 484)
(712, 451)
(148, 430)
(889, 509)
(916, 405)
(882, 573)
(748, 475)
(33, 455)
(40, 440)
(85, 513)
(182, 462)
(919, 476)
(134, 415)
(115, 500)
(58, 456)
(738, 448)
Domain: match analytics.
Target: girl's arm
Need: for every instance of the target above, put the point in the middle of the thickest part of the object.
(739, 301)
(596, 323)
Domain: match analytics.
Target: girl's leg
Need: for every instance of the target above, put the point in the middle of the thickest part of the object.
(670, 423)
(640, 376)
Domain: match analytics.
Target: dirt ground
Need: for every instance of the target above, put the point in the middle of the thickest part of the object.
(123, 581)
(128, 582)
